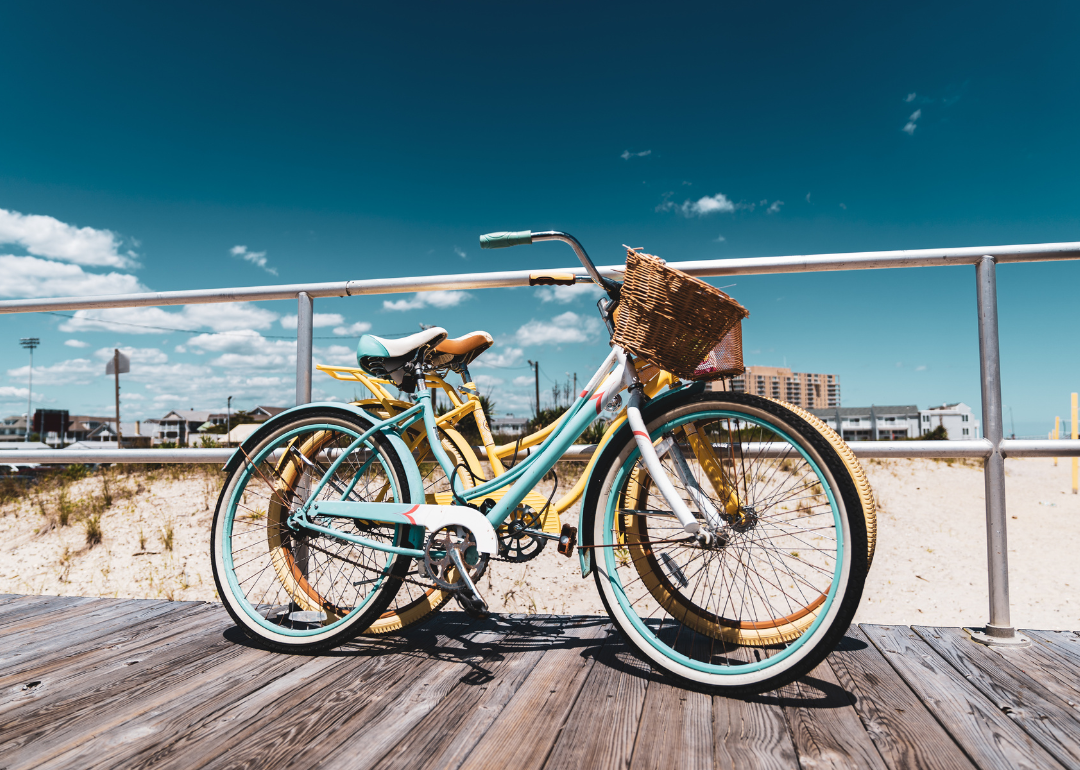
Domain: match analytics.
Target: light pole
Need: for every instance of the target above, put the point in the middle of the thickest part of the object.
(228, 419)
(29, 343)
(536, 375)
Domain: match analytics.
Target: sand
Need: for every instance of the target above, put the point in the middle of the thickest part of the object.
(930, 566)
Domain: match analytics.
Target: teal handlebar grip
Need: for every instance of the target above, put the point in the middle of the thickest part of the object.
(502, 240)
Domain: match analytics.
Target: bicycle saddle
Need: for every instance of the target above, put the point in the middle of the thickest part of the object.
(463, 350)
(384, 357)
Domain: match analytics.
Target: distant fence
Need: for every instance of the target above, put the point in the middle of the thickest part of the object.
(993, 449)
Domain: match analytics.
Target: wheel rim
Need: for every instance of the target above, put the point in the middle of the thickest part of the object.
(776, 637)
(272, 568)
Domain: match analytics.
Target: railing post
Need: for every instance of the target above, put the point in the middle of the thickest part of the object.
(999, 630)
(304, 316)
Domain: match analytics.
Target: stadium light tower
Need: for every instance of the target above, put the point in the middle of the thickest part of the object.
(29, 343)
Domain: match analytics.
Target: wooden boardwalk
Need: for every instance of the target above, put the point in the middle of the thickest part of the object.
(105, 683)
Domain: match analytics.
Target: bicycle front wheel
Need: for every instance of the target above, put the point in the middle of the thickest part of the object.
(765, 602)
(293, 588)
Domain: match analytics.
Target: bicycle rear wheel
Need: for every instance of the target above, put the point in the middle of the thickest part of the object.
(297, 589)
(756, 611)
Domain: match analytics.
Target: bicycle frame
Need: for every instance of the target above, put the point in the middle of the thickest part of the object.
(654, 379)
(613, 376)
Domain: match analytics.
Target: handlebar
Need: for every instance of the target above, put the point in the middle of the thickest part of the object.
(504, 240)
(520, 238)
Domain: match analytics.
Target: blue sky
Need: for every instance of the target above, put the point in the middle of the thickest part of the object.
(242, 144)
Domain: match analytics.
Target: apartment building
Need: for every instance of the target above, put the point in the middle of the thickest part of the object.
(884, 423)
(810, 391)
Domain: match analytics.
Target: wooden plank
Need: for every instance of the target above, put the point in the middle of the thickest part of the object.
(998, 675)
(752, 733)
(1056, 671)
(986, 735)
(36, 732)
(603, 725)
(522, 735)
(1067, 643)
(675, 728)
(18, 635)
(65, 672)
(36, 606)
(103, 623)
(402, 714)
(360, 681)
(825, 727)
(905, 732)
(445, 736)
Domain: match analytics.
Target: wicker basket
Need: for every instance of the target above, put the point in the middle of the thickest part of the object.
(677, 322)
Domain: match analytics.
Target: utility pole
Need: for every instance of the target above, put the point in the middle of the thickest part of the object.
(116, 374)
(536, 378)
(228, 419)
(29, 343)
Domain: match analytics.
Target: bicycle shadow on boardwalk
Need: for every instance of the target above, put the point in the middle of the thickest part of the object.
(455, 637)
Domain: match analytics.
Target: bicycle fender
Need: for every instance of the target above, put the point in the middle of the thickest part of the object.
(415, 535)
(592, 491)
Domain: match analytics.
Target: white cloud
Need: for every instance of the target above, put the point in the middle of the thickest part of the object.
(565, 328)
(920, 368)
(627, 155)
(504, 359)
(257, 258)
(564, 295)
(523, 381)
(336, 355)
(227, 316)
(843, 206)
(775, 207)
(461, 253)
(76, 344)
(74, 371)
(7, 392)
(487, 381)
(720, 239)
(246, 350)
(909, 127)
(439, 299)
(34, 277)
(45, 236)
(910, 97)
(148, 356)
(318, 320)
(353, 330)
(702, 207)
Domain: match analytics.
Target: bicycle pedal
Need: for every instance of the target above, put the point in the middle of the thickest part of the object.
(474, 606)
(567, 540)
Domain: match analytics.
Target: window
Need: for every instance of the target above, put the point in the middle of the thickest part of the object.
(965, 431)
(926, 418)
(964, 418)
(890, 419)
(854, 421)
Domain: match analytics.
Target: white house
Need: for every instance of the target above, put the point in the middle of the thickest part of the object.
(876, 423)
(958, 420)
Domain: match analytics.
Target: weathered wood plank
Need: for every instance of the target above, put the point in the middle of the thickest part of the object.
(99, 618)
(988, 737)
(34, 733)
(675, 729)
(603, 725)
(64, 615)
(523, 734)
(825, 727)
(67, 672)
(1067, 643)
(30, 607)
(360, 681)
(1054, 670)
(403, 713)
(998, 676)
(445, 736)
(905, 732)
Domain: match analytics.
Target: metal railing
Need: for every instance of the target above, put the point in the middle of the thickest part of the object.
(993, 449)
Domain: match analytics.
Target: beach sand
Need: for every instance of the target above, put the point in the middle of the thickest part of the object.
(930, 566)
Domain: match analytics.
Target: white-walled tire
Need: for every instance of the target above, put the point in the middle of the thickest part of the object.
(766, 607)
(302, 591)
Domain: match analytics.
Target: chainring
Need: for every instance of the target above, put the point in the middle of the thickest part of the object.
(439, 564)
(515, 544)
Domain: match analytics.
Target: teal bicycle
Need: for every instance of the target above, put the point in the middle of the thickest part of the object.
(729, 535)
